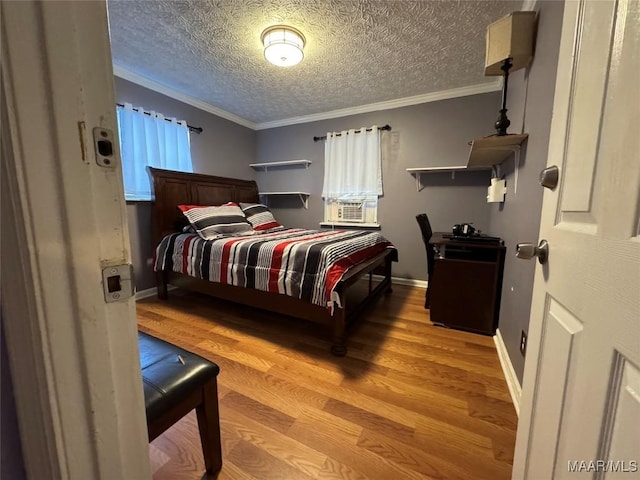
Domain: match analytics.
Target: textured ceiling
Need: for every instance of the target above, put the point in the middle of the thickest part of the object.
(357, 52)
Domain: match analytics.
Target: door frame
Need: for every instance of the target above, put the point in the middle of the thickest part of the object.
(611, 230)
(536, 316)
(73, 357)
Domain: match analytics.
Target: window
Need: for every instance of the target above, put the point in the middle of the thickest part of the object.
(352, 176)
(149, 139)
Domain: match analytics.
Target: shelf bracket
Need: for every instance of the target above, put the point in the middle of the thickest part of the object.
(495, 169)
(302, 196)
(420, 186)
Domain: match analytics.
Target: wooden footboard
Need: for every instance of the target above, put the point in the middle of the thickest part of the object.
(343, 318)
(339, 322)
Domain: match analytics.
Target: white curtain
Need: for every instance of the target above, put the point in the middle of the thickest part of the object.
(149, 139)
(352, 165)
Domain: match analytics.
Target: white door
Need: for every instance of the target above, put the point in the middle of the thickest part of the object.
(73, 357)
(580, 411)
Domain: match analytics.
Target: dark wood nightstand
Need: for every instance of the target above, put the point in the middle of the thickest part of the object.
(466, 284)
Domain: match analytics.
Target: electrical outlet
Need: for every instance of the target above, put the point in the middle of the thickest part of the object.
(523, 343)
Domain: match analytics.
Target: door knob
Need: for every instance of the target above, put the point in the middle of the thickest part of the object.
(529, 250)
(549, 177)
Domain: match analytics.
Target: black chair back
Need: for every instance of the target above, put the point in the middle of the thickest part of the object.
(425, 228)
(427, 233)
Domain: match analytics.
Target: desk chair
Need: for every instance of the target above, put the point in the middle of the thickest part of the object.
(427, 233)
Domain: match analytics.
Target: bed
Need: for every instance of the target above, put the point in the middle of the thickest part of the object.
(326, 302)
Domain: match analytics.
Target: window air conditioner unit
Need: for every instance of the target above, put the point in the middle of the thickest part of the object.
(350, 212)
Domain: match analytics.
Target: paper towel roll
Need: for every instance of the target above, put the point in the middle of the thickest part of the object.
(497, 190)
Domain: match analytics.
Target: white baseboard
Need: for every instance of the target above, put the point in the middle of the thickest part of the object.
(402, 281)
(509, 373)
(151, 292)
(409, 281)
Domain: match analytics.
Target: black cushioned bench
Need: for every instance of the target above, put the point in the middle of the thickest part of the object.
(175, 382)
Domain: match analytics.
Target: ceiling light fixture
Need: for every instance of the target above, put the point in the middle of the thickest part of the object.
(283, 46)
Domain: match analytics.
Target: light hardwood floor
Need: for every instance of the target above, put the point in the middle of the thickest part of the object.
(409, 401)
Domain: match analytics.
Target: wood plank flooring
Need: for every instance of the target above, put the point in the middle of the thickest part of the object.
(409, 401)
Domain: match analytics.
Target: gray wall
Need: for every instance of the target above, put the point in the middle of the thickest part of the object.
(430, 134)
(224, 148)
(530, 103)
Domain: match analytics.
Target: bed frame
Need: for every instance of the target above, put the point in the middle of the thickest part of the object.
(177, 188)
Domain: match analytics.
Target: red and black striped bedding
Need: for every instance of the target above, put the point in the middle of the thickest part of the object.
(306, 264)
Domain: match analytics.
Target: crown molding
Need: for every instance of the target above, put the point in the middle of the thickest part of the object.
(388, 105)
(127, 74)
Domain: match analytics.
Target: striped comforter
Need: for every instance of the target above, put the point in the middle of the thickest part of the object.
(306, 264)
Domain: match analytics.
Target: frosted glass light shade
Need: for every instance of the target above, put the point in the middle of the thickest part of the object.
(283, 46)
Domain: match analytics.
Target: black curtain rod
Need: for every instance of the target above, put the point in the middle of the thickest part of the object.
(386, 128)
(191, 129)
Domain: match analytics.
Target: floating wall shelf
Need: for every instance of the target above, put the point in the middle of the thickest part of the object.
(418, 171)
(304, 196)
(489, 151)
(286, 163)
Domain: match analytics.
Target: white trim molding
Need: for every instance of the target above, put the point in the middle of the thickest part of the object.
(410, 282)
(151, 292)
(73, 357)
(21, 308)
(125, 73)
(509, 372)
(488, 87)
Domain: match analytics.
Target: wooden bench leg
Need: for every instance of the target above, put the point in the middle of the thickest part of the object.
(209, 427)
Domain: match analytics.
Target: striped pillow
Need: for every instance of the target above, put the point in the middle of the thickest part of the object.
(259, 216)
(211, 222)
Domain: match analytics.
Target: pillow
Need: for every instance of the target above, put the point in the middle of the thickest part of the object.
(210, 222)
(259, 216)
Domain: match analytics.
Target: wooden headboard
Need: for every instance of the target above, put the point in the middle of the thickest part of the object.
(178, 188)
